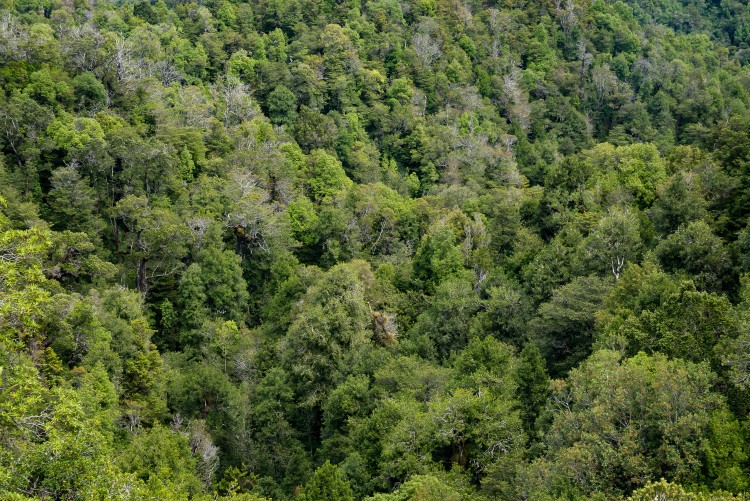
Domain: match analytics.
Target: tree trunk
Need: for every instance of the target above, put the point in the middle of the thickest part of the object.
(141, 282)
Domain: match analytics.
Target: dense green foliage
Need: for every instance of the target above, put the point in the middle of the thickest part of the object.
(374, 249)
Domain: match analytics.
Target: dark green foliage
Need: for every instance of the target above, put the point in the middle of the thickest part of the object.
(696, 250)
(565, 325)
(437, 257)
(533, 386)
(282, 106)
(444, 326)
(383, 249)
(89, 91)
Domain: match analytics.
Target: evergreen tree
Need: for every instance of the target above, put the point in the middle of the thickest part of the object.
(328, 484)
(533, 387)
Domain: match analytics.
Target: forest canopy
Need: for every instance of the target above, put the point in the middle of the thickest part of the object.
(374, 249)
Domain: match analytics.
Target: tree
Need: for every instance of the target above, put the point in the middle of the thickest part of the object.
(427, 49)
(213, 287)
(73, 202)
(329, 325)
(423, 487)
(678, 203)
(282, 106)
(735, 354)
(444, 326)
(162, 459)
(632, 171)
(533, 387)
(313, 130)
(695, 249)
(613, 242)
(234, 99)
(437, 257)
(89, 91)
(504, 313)
(669, 491)
(564, 327)
(683, 323)
(327, 483)
(620, 423)
(552, 266)
(352, 398)
(323, 175)
(478, 428)
(24, 287)
(154, 240)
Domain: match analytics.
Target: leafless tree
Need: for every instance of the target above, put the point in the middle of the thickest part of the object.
(427, 49)
(517, 101)
(238, 104)
(203, 447)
